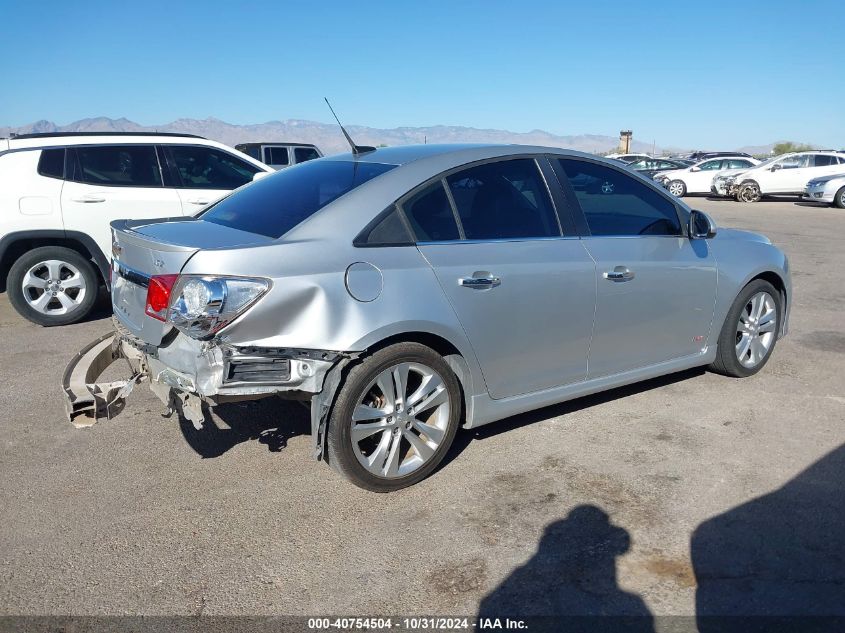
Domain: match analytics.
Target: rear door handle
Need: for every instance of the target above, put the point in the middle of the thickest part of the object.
(198, 201)
(480, 283)
(88, 198)
(619, 273)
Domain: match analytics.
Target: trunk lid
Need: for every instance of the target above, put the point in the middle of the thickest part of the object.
(141, 249)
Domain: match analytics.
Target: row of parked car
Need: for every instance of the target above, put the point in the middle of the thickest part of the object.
(816, 176)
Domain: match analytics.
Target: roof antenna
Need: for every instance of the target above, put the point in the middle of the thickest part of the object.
(356, 149)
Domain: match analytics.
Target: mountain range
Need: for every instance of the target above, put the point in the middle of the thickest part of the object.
(328, 138)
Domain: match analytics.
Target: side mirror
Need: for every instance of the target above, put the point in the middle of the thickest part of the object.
(701, 226)
(695, 168)
(776, 166)
(261, 174)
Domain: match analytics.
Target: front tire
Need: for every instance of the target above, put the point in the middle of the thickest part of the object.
(52, 285)
(677, 188)
(749, 192)
(839, 198)
(394, 418)
(750, 331)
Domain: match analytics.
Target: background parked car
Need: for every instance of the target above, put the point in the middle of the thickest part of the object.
(828, 189)
(280, 155)
(697, 156)
(648, 167)
(784, 175)
(698, 178)
(627, 158)
(58, 193)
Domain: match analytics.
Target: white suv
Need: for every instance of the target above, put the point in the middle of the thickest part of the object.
(785, 175)
(59, 192)
(698, 178)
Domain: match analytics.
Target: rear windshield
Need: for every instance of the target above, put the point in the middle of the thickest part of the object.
(274, 205)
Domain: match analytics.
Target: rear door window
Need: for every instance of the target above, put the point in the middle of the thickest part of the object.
(430, 215)
(276, 156)
(503, 200)
(117, 165)
(824, 160)
(210, 168)
(301, 154)
(614, 203)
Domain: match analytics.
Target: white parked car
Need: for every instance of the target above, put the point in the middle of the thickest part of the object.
(785, 175)
(827, 189)
(59, 192)
(698, 178)
(627, 158)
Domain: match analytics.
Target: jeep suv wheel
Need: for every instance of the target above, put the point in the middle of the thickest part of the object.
(52, 285)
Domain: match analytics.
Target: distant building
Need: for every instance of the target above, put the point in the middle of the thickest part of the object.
(625, 137)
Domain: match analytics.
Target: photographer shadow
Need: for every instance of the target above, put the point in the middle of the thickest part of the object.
(570, 583)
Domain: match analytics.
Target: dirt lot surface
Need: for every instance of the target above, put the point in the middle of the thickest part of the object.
(690, 494)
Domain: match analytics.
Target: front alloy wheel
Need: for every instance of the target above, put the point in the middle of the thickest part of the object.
(677, 188)
(394, 417)
(750, 331)
(756, 329)
(750, 193)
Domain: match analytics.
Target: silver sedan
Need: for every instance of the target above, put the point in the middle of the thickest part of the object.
(407, 291)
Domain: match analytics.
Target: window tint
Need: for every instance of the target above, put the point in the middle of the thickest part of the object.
(503, 200)
(274, 205)
(710, 165)
(737, 164)
(250, 150)
(617, 204)
(276, 156)
(430, 215)
(52, 163)
(128, 165)
(301, 154)
(824, 160)
(209, 168)
(390, 230)
(795, 162)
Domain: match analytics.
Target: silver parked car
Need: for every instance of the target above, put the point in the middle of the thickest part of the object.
(827, 189)
(407, 290)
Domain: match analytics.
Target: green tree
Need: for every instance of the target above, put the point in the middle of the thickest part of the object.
(788, 146)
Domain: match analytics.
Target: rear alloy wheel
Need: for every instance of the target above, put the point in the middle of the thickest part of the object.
(394, 418)
(677, 188)
(839, 198)
(749, 192)
(750, 331)
(52, 285)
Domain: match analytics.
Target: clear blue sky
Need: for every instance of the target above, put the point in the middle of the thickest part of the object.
(691, 74)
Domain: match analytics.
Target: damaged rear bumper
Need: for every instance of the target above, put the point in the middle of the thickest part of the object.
(184, 373)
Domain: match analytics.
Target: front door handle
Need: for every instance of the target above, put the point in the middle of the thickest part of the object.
(480, 283)
(201, 201)
(88, 198)
(619, 273)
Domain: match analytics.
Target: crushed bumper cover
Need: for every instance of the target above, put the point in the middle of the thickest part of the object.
(185, 372)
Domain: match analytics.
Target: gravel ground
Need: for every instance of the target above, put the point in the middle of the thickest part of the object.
(634, 501)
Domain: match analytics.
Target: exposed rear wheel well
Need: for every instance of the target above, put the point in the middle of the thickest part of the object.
(443, 347)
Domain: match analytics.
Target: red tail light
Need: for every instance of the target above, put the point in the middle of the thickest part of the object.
(158, 295)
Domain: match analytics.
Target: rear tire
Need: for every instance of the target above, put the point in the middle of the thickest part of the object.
(383, 438)
(52, 285)
(750, 331)
(839, 198)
